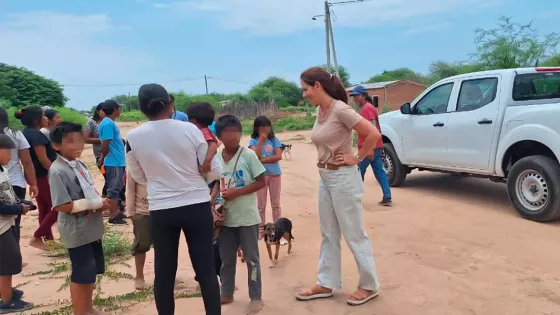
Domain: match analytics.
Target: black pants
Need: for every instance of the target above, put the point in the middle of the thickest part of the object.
(217, 259)
(197, 224)
(20, 194)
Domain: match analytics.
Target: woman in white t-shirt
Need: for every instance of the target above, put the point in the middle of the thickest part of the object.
(19, 154)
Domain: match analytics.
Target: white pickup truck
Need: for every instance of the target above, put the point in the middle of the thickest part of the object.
(503, 125)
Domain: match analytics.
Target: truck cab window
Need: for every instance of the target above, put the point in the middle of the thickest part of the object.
(475, 94)
(435, 102)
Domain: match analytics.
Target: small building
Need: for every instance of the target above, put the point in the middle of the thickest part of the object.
(392, 94)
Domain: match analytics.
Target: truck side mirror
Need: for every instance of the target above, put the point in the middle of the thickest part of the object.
(405, 109)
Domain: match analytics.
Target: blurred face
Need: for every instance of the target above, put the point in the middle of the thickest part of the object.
(312, 92)
(101, 114)
(5, 156)
(359, 99)
(72, 145)
(44, 122)
(264, 129)
(118, 112)
(230, 137)
(55, 121)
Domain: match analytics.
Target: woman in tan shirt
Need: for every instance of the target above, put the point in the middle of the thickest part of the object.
(340, 187)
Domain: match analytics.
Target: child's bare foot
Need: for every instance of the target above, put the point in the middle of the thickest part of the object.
(254, 307)
(38, 243)
(226, 300)
(140, 284)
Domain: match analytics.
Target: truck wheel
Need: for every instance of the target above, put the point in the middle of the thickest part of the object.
(534, 188)
(396, 172)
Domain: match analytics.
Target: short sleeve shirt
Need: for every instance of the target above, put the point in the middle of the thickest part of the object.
(76, 229)
(370, 114)
(92, 126)
(36, 138)
(335, 133)
(213, 128)
(208, 135)
(268, 149)
(242, 211)
(179, 115)
(14, 167)
(109, 131)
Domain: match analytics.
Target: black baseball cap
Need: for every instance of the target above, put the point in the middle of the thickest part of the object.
(110, 104)
(152, 91)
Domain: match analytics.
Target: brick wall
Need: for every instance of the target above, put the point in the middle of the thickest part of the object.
(398, 93)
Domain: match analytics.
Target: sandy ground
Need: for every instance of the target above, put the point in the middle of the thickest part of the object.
(449, 245)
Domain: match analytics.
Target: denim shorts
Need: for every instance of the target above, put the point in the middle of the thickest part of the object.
(114, 181)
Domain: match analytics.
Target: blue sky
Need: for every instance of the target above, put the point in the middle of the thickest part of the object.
(129, 42)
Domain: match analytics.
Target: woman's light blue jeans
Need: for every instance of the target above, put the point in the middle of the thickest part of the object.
(341, 213)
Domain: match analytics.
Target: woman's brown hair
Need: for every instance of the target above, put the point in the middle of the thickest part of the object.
(330, 82)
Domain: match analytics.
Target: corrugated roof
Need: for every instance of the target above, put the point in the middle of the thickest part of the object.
(376, 85)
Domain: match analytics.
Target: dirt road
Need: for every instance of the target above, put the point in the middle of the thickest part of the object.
(449, 245)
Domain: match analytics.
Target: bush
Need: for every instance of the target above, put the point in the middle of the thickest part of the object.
(133, 115)
(66, 114)
(292, 109)
(293, 123)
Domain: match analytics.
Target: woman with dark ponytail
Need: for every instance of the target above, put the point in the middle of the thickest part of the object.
(42, 155)
(340, 187)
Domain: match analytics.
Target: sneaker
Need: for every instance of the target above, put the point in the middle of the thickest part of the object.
(386, 202)
(16, 294)
(118, 220)
(15, 306)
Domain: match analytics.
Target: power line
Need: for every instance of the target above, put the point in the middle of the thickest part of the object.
(226, 80)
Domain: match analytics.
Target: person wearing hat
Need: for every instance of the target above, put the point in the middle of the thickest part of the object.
(178, 196)
(113, 157)
(362, 99)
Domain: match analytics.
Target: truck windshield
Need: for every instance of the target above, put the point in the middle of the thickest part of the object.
(536, 86)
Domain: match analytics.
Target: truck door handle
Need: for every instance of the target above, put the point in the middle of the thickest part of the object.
(438, 124)
(485, 122)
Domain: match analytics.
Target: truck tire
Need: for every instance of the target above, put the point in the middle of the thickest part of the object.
(396, 171)
(533, 186)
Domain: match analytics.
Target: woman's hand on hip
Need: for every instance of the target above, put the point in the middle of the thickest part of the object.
(343, 159)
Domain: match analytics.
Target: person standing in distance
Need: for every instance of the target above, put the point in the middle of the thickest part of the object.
(112, 150)
(177, 114)
(361, 97)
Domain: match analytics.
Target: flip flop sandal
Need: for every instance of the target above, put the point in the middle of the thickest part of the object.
(301, 297)
(362, 301)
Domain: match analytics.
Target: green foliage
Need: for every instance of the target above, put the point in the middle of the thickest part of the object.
(134, 115)
(344, 75)
(399, 74)
(294, 109)
(23, 88)
(553, 61)
(513, 45)
(285, 93)
(66, 114)
(291, 123)
(183, 100)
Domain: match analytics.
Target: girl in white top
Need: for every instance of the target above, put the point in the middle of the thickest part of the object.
(19, 153)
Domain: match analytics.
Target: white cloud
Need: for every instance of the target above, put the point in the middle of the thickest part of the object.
(72, 49)
(283, 17)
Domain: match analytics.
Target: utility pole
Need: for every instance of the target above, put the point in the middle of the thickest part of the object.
(333, 48)
(327, 34)
(206, 83)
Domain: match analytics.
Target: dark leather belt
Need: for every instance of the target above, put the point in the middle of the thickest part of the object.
(328, 166)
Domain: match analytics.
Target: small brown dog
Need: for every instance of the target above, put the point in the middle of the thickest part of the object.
(273, 233)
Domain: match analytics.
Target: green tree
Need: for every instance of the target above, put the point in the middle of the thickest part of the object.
(441, 69)
(23, 88)
(344, 75)
(553, 61)
(128, 102)
(399, 74)
(283, 92)
(513, 45)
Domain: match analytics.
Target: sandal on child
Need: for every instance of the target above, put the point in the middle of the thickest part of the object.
(315, 292)
(361, 296)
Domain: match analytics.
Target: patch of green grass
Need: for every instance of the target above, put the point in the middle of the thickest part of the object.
(133, 115)
(292, 123)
